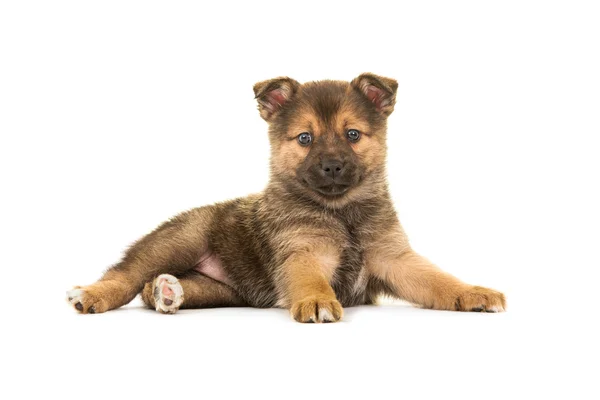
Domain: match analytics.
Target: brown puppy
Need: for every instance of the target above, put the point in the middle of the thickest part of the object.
(324, 234)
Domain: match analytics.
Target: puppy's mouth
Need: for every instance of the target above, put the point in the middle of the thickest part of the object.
(333, 190)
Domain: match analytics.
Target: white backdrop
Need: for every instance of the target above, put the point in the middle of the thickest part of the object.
(116, 115)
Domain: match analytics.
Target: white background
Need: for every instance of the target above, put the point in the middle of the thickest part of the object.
(116, 115)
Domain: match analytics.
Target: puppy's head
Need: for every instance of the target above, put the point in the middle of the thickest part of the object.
(328, 137)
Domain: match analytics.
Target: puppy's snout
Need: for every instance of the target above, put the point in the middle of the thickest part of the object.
(332, 168)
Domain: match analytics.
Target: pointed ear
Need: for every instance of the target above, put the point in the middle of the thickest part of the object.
(273, 94)
(381, 91)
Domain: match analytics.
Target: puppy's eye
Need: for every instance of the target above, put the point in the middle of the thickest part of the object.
(353, 135)
(304, 138)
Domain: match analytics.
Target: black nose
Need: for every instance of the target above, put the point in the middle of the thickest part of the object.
(332, 168)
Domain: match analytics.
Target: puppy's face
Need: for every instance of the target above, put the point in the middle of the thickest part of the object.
(328, 137)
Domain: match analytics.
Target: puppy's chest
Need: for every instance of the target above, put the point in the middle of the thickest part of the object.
(350, 278)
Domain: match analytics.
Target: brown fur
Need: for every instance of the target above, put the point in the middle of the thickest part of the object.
(313, 241)
(200, 292)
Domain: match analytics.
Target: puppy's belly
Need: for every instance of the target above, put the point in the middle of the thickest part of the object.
(210, 265)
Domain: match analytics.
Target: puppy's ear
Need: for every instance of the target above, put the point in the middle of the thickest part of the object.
(273, 94)
(381, 91)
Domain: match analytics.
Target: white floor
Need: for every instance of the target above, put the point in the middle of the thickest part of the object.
(390, 350)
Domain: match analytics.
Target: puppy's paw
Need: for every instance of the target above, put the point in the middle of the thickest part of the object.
(480, 299)
(168, 294)
(86, 300)
(317, 309)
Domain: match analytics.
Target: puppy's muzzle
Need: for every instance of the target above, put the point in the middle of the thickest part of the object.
(334, 177)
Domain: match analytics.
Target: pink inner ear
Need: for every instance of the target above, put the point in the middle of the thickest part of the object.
(376, 95)
(276, 98)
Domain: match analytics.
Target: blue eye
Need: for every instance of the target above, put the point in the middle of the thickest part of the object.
(353, 135)
(305, 138)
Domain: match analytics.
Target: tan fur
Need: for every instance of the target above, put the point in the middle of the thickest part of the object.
(305, 283)
(415, 279)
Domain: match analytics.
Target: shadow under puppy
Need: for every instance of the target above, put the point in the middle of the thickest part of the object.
(322, 236)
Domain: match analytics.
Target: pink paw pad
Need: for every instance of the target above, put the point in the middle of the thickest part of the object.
(168, 294)
(166, 290)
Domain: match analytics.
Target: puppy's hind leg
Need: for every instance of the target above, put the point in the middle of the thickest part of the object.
(173, 248)
(164, 294)
(167, 294)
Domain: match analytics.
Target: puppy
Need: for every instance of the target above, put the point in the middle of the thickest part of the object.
(322, 236)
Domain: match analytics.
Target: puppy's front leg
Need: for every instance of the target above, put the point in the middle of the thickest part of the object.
(412, 277)
(306, 287)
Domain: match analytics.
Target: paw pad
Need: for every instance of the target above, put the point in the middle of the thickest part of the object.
(168, 294)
